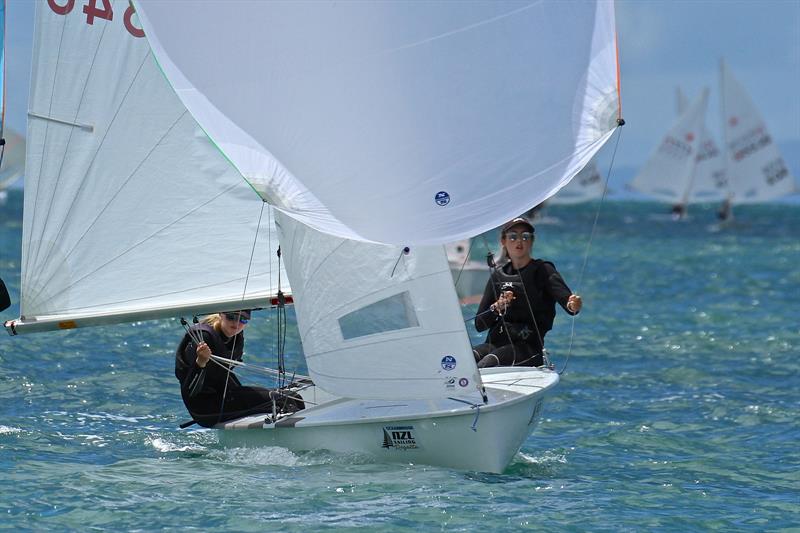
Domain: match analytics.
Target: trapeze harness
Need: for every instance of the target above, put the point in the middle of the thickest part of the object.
(213, 394)
(517, 337)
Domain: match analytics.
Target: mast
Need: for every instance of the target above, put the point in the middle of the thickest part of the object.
(726, 207)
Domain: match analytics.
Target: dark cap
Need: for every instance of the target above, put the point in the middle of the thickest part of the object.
(519, 221)
(242, 313)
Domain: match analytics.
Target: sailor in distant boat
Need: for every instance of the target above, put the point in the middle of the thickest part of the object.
(518, 304)
(211, 392)
(678, 211)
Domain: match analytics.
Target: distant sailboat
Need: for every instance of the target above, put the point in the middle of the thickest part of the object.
(671, 171)
(345, 125)
(13, 164)
(755, 169)
(709, 182)
(588, 185)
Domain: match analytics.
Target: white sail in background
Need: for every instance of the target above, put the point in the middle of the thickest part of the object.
(13, 158)
(709, 183)
(587, 185)
(377, 321)
(755, 169)
(394, 121)
(130, 211)
(668, 173)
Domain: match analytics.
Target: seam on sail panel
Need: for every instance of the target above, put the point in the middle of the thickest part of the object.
(145, 240)
(385, 341)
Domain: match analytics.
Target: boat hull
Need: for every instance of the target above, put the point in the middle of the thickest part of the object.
(444, 433)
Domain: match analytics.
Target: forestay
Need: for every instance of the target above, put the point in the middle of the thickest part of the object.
(668, 173)
(438, 120)
(130, 212)
(377, 321)
(756, 171)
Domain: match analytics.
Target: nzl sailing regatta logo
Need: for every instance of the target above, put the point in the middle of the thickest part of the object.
(448, 362)
(442, 198)
(399, 438)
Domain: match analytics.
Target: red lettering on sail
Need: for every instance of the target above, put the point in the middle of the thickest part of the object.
(133, 30)
(93, 11)
(61, 10)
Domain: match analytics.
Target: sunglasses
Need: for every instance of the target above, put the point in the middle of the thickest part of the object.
(236, 316)
(525, 236)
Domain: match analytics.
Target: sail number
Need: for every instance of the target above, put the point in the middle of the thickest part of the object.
(92, 10)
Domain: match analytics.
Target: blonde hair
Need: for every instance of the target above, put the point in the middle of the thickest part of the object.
(213, 320)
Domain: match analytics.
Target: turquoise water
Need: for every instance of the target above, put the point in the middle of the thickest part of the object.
(678, 410)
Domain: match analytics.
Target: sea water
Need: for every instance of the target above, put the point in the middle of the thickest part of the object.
(679, 409)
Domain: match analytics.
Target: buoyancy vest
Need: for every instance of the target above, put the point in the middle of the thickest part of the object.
(530, 294)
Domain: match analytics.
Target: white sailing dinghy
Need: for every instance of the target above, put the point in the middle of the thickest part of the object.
(356, 124)
(754, 167)
(708, 183)
(684, 167)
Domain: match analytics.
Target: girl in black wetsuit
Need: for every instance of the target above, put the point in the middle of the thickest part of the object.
(210, 392)
(518, 304)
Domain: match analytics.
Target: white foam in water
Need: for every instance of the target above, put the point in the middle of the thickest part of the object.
(545, 458)
(163, 446)
(5, 430)
(270, 455)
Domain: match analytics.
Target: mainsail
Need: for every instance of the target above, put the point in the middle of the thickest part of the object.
(755, 169)
(396, 122)
(130, 212)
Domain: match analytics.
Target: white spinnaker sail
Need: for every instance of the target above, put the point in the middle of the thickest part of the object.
(375, 321)
(587, 185)
(396, 122)
(667, 174)
(13, 158)
(130, 211)
(755, 169)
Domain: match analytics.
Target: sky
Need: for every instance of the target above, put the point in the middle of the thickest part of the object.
(664, 44)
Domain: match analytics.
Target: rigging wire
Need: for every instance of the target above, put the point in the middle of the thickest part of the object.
(620, 123)
(464, 263)
(244, 295)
